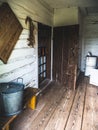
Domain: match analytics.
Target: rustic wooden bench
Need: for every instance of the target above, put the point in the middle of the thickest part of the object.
(5, 121)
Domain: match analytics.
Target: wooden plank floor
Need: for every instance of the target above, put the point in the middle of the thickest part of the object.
(60, 108)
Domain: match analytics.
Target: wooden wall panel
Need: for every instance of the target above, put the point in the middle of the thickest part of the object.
(10, 29)
(65, 54)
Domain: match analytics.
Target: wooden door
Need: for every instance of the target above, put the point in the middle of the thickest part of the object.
(65, 56)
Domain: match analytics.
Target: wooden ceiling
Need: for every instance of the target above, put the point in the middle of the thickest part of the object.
(70, 3)
(87, 6)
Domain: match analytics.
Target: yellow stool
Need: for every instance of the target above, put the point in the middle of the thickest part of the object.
(32, 103)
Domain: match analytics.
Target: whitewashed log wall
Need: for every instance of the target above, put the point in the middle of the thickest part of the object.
(90, 38)
(23, 61)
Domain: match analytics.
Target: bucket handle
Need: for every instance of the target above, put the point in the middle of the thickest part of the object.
(20, 79)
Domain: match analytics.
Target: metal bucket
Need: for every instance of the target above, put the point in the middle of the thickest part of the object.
(11, 98)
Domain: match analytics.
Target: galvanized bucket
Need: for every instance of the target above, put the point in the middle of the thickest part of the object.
(11, 98)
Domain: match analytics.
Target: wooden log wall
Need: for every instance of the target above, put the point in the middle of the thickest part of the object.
(90, 38)
(35, 9)
(65, 54)
(23, 61)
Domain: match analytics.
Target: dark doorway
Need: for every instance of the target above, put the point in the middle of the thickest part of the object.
(44, 52)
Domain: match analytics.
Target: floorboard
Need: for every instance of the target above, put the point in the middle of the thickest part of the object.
(75, 117)
(90, 117)
(60, 116)
(52, 102)
(61, 108)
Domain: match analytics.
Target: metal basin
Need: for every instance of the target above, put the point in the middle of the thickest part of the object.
(11, 98)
